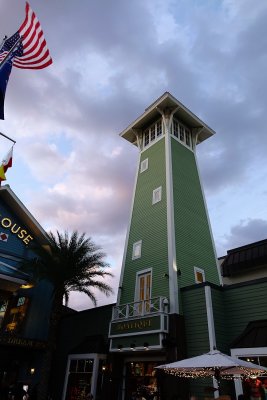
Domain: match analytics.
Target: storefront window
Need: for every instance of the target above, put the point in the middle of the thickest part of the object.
(141, 379)
(16, 316)
(80, 379)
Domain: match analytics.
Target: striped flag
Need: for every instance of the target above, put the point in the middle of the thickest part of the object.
(31, 51)
(35, 52)
(25, 49)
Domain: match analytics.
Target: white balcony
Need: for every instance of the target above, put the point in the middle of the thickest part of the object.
(155, 305)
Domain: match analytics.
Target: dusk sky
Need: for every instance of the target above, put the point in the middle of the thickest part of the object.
(112, 59)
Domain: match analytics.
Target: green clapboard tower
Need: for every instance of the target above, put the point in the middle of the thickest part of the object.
(169, 243)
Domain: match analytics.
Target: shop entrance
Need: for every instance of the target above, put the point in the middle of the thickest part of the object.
(140, 378)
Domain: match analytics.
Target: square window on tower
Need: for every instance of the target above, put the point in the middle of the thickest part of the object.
(156, 195)
(137, 247)
(199, 275)
(144, 165)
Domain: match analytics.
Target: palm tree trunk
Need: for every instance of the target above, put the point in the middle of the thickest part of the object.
(44, 387)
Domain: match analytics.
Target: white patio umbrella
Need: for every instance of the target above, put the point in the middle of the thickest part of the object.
(213, 364)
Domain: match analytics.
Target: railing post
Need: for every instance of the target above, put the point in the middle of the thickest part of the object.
(127, 310)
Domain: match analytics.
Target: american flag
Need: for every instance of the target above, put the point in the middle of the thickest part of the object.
(31, 51)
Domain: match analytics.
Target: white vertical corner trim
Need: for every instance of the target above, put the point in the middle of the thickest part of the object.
(173, 279)
(210, 319)
(128, 231)
(209, 224)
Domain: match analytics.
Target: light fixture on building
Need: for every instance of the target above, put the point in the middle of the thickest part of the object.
(165, 305)
(132, 346)
(32, 371)
(120, 347)
(146, 346)
(27, 286)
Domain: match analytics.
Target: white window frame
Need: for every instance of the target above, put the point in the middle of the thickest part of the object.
(200, 271)
(157, 129)
(139, 308)
(94, 356)
(177, 129)
(144, 165)
(135, 246)
(157, 195)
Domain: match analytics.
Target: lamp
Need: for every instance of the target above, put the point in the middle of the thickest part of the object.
(120, 347)
(132, 346)
(165, 305)
(32, 370)
(27, 285)
(146, 346)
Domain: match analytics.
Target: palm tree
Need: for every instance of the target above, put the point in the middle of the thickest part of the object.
(71, 263)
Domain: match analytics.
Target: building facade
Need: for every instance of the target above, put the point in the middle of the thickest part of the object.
(24, 309)
(168, 230)
(175, 299)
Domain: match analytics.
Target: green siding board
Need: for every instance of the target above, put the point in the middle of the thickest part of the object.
(192, 232)
(244, 304)
(196, 324)
(149, 224)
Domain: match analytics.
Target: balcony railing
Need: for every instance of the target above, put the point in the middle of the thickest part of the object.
(154, 305)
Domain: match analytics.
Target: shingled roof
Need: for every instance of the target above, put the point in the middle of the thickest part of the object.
(245, 258)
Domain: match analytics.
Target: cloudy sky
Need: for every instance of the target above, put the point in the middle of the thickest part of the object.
(111, 60)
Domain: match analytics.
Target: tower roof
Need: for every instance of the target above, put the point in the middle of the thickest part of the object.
(182, 113)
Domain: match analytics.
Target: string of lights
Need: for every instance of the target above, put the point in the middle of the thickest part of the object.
(210, 372)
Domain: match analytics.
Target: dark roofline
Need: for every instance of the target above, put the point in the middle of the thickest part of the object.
(247, 246)
(245, 258)
(88, 310)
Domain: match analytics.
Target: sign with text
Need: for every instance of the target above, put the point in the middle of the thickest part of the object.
(121, 328)
(16, 229)
(21, 342)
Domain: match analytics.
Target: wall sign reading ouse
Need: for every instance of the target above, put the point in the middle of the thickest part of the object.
(16, 230)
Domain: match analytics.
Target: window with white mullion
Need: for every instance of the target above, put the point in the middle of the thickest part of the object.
(153, 132)
(143, 291)
(182, 133)
(146, 137)
(181, 130)
(159, 128)
(175, 128)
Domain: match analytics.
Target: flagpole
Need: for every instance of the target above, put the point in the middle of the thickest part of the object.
(3, 41)
(13, 48)
(7, 137)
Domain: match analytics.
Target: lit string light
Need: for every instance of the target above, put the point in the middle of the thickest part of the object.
(210, 372)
